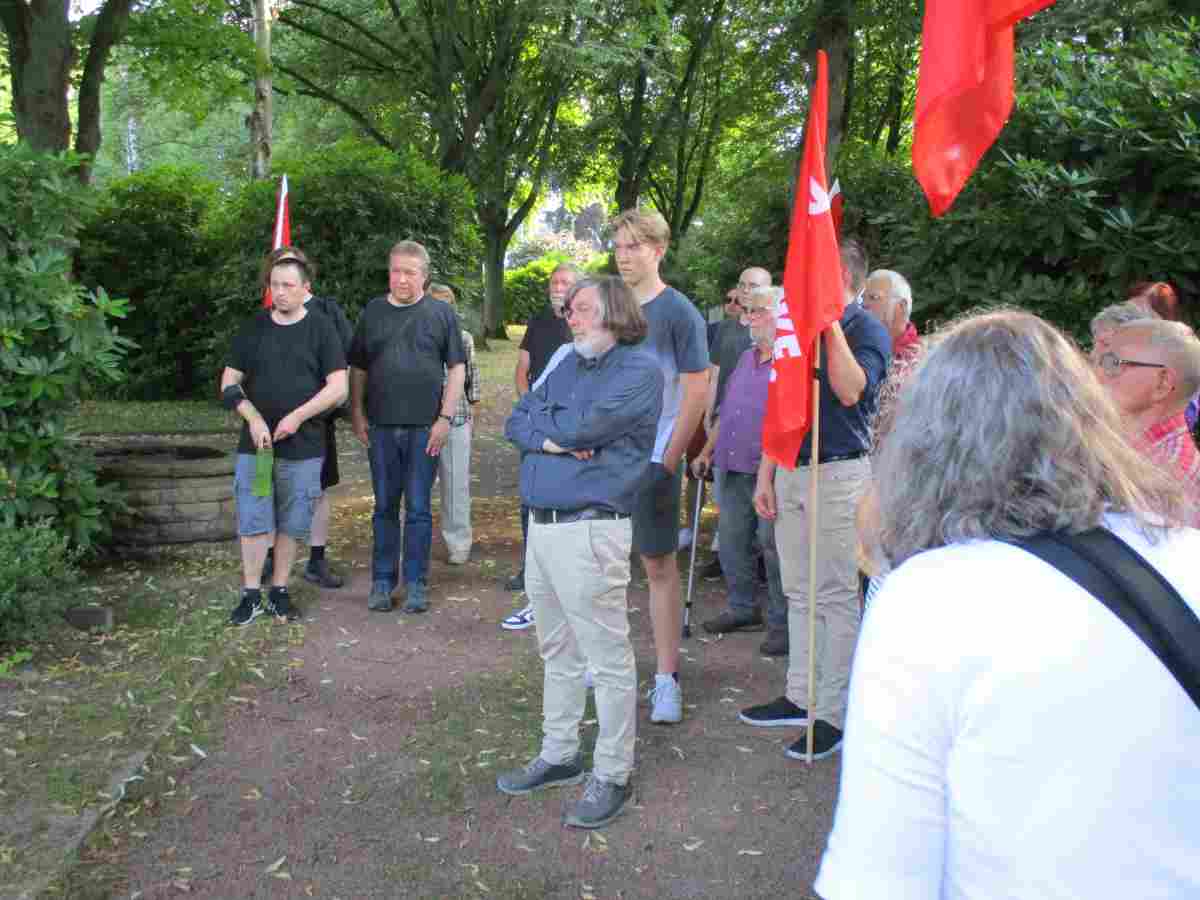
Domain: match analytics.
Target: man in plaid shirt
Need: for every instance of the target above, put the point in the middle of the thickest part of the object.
(454, 463)
(1152, 370)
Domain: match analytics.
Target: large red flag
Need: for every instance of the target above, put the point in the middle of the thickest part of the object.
(812, 286)
(964, 89)
(282, 235)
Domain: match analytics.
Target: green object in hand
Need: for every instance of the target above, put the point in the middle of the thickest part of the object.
(264, 462)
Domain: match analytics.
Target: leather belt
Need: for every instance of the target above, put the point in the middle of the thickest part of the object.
(835, 457)
(562, 516)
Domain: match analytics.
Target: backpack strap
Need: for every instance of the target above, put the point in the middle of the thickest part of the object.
(1134, 591)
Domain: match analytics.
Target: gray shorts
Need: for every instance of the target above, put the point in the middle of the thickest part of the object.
(289, 509)
(656, 512)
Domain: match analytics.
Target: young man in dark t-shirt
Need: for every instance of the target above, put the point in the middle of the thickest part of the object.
(286, 368)
(406, 347)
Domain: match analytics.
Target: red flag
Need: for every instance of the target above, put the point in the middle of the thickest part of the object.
(964, 89)
(812, 287)
(837, 206)
(283, 231)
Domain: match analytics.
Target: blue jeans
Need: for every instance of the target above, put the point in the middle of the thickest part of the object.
(401, 473)
(741, 532)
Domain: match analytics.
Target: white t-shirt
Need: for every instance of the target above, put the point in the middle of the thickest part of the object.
(1009, 737)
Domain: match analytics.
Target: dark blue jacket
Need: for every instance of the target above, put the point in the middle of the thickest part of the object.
(609, 405)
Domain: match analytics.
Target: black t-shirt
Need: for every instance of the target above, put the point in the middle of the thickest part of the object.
(285, 366)
(405, 351)
(545, 333)
(332, 310)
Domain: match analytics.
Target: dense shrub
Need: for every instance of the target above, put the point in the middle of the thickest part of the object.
(525, 287)
(349, 204)
(55, 339)
(37, 567)
(579, 252)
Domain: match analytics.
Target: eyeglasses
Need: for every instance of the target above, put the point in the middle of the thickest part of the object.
(1111, 364)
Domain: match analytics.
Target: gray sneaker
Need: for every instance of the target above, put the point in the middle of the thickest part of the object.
(539, 774)
(415, 600)
(602, 801)
(381, 597)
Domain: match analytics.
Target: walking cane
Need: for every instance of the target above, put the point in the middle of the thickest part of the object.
(687, 607)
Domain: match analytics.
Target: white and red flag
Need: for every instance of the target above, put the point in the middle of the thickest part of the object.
(964, 89)
(283, 231)
(812, 286)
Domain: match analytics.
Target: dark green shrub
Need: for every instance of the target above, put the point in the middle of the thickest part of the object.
(37, 570)
(55, 338)
(147, 242)
(525, 287)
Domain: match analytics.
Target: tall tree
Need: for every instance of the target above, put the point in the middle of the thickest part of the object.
(44, 49)
(480, 84)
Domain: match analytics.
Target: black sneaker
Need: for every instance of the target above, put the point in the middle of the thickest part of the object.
(516, 582)
(776, 644)
(827, 741)
(317, 571)
(539, 774)
(249, 609)
(776, 714)
(734, 621)
(279, 603)
(602, 801)
(712, 570)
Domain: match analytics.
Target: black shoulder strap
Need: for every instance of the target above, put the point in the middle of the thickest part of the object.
(1134, 591)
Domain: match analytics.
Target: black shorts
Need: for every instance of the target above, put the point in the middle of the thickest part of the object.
(656, 512)
(330, 473)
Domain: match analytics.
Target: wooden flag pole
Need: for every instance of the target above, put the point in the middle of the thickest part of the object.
(814, 461)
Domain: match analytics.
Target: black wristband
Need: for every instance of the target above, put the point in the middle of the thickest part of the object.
(232, 396)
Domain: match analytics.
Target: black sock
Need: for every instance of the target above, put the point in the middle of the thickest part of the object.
(316, 554)
(278, 591)
(254, 595)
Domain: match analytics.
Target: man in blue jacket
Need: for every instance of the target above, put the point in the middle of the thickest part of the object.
(587, 435)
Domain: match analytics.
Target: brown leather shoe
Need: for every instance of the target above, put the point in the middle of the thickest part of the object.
(776, 644)
(730, 621)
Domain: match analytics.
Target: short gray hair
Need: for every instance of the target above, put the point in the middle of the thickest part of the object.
(898, 287)
(1180, 349)
(773, 293)
(1117, 315)
(1011, 434)
(411, 249)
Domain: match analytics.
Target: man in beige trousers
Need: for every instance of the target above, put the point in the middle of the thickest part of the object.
(586, 434)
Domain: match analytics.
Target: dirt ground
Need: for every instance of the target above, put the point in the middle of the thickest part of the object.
(370, 773)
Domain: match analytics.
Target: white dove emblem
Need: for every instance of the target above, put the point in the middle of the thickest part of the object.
(821, 199)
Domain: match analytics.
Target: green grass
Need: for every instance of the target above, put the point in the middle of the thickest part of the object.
(166, 417)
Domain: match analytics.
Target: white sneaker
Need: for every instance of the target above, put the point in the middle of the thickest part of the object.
(520, 620)
(667, 698)
(685, 538)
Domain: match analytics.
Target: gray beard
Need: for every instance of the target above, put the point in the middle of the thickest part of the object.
(591, 347)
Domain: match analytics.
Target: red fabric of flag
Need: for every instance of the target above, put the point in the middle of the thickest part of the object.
(282, 235)
(812, 285)
(964, 89)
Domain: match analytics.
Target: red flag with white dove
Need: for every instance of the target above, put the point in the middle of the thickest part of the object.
(812, 284)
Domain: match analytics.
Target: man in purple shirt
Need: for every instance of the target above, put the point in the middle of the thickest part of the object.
(736, 452)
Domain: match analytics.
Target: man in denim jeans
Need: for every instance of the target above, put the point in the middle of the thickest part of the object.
(406, 347)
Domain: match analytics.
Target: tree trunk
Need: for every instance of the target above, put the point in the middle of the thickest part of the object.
(41, 57)
(831, 33)
(495, 243)
(107, 32)
(260, 118)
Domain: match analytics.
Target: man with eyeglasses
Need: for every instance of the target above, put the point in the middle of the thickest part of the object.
(1152, 370)
(586, 433)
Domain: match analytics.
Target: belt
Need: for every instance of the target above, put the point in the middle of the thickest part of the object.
(834, 457)
(562, 516)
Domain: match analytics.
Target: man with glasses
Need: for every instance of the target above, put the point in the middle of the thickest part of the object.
(586, 434)
(1151, 370)
(736, 454)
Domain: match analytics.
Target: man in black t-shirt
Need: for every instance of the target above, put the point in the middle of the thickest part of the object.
(407, 346)
(286, 368)
(544, 333)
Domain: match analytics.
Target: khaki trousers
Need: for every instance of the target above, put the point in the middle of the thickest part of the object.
(576, 577)
(454, 473)
(837, 610)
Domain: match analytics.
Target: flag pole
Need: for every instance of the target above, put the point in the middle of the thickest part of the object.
(814, 462)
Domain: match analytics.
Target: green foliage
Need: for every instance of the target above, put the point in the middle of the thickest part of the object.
(525, 287)
(37, 569)
(199, 249)
(55, 339)
(565, 245)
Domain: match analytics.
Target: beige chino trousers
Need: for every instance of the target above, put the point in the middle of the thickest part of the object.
(576, 577)
(838, 616)
(454, 475)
